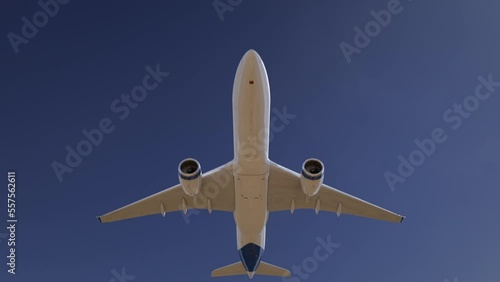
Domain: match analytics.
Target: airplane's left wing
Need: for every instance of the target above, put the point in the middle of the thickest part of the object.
(216, 193)
(285, 193)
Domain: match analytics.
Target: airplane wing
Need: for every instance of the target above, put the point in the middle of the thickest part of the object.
(285, 193)
(216, 193)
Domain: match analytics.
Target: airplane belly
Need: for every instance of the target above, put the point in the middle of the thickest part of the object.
(251, 209)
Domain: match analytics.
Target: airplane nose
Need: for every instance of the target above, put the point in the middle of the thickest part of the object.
(251, 71)
(251, 56)
(250, 274)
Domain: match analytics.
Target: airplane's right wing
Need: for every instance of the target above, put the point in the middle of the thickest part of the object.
(216, 193)
(285, 193)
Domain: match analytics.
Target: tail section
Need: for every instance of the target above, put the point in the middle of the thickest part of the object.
(268, 269)
(230, 270)
(264, 268)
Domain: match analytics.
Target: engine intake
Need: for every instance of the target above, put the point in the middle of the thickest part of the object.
(311, 177)
(189, 176)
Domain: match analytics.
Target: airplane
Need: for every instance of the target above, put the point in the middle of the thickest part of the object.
(251, 185)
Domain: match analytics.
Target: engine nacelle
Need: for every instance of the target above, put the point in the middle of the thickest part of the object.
(311, 177)
(190, 176)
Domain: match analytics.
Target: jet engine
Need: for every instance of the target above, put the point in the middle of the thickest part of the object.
(311, 177)
(190, 176)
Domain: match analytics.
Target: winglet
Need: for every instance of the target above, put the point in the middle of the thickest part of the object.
(100, 220)
(402, 218)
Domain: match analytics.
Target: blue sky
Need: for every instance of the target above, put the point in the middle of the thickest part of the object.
(358, 117)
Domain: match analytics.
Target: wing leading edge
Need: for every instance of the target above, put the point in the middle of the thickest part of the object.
(216, 193)
(285, 193)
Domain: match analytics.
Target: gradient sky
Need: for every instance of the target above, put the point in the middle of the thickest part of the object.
(356, 117)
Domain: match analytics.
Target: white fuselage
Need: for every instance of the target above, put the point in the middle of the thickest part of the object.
(251, 110)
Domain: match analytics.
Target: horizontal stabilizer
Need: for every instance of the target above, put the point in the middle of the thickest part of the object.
(230, 270)
(265, 268)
